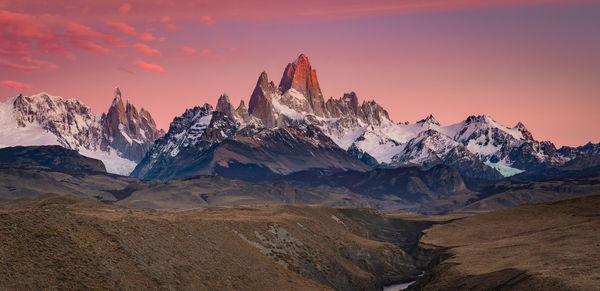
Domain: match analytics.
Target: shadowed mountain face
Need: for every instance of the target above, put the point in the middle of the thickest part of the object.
(27, 172)
(414, 184)
(54, 157)
(218, 144)
(582, 166)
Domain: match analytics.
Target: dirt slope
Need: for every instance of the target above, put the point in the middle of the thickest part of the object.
(66, 242)
(550, 246)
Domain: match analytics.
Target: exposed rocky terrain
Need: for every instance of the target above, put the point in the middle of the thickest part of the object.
(291, 119)
(229, 142)
(128, 131)
(119, 138)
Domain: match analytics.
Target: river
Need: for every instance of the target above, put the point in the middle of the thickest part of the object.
(397, 287)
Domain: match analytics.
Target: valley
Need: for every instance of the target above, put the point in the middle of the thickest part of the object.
(61, 241)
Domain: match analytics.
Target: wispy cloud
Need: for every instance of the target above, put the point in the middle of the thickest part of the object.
(124, 8)
(150, 67)
(14, 85)
(30, 65)
(207, 20)
(147, 50)
(123, 28)
(191, 51)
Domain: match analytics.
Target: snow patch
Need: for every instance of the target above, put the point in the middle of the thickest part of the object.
(12, 135)
(505, 170)
(112, 161)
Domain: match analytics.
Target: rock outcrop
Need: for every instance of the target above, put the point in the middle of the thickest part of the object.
(128, 131)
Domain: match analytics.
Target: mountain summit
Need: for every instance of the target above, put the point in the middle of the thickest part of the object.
(290, 128)
(285, 129)
(130, 132)
(302, 78)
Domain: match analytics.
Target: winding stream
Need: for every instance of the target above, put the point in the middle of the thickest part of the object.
(397, 287)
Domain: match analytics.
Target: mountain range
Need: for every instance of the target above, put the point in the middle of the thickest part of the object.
(119, 138)
(286, 128)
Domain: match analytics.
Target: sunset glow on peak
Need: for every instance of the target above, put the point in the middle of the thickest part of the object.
(534, 61)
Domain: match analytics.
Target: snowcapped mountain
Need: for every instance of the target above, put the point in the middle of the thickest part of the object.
(234, 144)
(119, 138)
(286, 128)
(478, 147)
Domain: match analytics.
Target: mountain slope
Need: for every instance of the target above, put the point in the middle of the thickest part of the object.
(119, 139)
(219, 139)
(225, 147)
(54, 157)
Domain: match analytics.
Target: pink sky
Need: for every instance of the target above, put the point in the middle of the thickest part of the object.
(533, 61)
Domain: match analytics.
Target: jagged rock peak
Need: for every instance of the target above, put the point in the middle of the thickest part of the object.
(526, 133)
(117, 100)
(224, 105)
(301, 77)
(261, 103)
(429, 120)
(373, 113)
(242, 106)
(129, 132)
(479, 118)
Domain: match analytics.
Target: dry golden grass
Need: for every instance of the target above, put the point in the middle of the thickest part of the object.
(554, 245)
(72, 243)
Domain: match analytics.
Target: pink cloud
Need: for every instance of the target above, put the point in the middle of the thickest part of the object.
(14, 85)
(84, 31)
(207, 20)
(205, 52)
(13, 47)
(147, 37)
(181, 10)
(122, 28)
(54, 47)
(88, 45)
(43, 63)
(150, 67)
(23, 25)
(191, 51)
(125, 8)
(171, 26)
(20, 67)
(145, 49)
(168, 23)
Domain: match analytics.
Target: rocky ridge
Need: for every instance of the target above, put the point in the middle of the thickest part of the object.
(119, 138)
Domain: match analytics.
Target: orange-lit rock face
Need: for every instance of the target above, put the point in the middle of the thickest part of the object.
(303, 78)
(261, 105)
